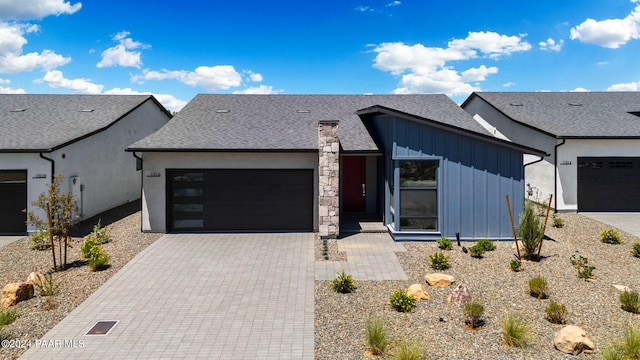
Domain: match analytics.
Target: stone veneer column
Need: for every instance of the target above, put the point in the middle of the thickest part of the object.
(329, 179)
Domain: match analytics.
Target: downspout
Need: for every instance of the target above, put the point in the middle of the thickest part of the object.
(524, 169)
(53, 165)
(555, 178)
(141, 182)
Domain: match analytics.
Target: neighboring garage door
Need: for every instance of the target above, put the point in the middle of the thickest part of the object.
(609, 184)
(13, 200)
(240, 200)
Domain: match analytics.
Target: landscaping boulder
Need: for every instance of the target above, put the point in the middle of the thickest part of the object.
(622, 288)
(418, 291)
(35, 279)
(439, 280)
(460, 295)
(573, 340)
(15, 292)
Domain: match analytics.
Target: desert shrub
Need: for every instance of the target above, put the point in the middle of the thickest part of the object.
(40, 240)
(476, 251)
(635, 250)
(406, 351)
(344, 283)
(439, 261)
(610, 236)
(98, 258)
(377, 339)
(473, 312)
(556, 312)
(538, 287)
(630, 301)
(47, 286)
(86, 247)
(628, 348)
(445, 243)
(530, 230)
(99, 234)
(7, 316)
(581, 263)
(557, 221)
(401, 301)
(515, 331)
(486, 244)
(610, 353)
(515, 265)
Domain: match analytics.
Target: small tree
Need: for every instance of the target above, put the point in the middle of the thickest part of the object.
(59, 209)
(530, 230)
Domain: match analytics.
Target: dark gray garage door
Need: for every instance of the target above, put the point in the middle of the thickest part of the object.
(609, 184)
(240, 200)
(13, 199)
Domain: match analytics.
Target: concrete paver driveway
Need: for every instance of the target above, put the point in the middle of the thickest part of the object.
(627, 221)
(205, 296)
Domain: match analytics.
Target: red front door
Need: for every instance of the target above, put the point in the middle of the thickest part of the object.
(354, 183)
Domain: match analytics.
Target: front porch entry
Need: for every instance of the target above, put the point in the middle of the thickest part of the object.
(360, 208)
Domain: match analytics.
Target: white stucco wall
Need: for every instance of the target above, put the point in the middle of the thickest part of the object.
(156, 163)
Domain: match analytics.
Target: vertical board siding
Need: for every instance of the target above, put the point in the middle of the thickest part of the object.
(476, 176)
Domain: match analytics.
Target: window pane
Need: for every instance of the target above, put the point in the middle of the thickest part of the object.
(188, 224)
(190, 208)
(418, 174)
(418, 224)
(418, 203)
(189, 177)
(13, 177)
(188, 192)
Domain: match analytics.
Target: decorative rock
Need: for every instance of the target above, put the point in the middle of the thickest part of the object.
(622, 288)
(573, 340)
(418, 291)
(35, 279)
(439, 280)
(460, 295)
(15, 292)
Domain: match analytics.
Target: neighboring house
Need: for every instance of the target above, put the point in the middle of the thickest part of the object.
(81, 137)
(593, 139)
(298, 162)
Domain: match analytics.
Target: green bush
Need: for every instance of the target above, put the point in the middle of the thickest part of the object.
(628, 348)
(40, 240)
(444, 243)
(376, 335)
(439, 261)
(538, 287)
(473, 312)
(556, 312)
(486, 244)
(100, 234)
(630, 302)
(476, 251)
(530, 230)
(557, 221)
(515, 265)
(7, 316)
(98, 258)
(515, 331)
(405, 351)
(401, 301)
(86, 247)
(47, 286)
(610, 236)
(635, 250)
(581, 263)
(344, 283)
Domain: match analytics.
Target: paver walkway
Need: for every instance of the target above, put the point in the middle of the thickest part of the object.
(6, 240)
(628, 221)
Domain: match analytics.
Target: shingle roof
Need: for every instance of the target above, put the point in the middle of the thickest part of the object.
(289, 122)
(572, 114)
(34, 123)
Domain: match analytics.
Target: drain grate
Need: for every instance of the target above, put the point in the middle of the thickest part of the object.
(102, 328)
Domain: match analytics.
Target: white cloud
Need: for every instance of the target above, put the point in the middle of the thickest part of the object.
(632, 86)
(509, 84)
(580, 89)
(551, 45)
(426, 69)
(363, 9)
(168, 101)
(610, 33)
(7, 90)
(56, 79)
(212, 78)
(11, 58)
(394, 3)
(262, 89)
(35, 9)
(254, 76)
(122, 54)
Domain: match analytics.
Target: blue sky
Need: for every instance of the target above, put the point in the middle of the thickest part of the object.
(175, 50)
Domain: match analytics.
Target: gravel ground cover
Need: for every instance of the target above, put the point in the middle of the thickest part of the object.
(37, 316)
(439, 327)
